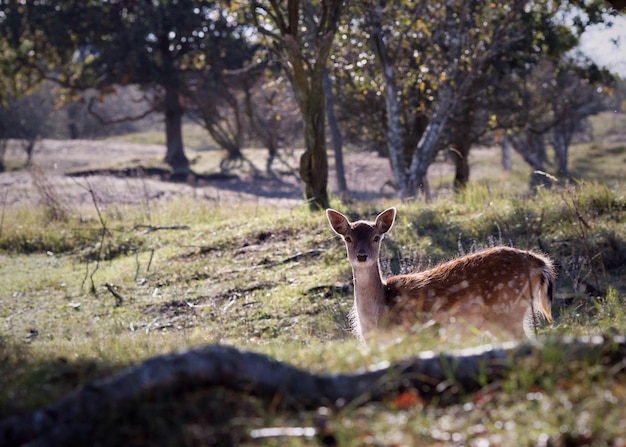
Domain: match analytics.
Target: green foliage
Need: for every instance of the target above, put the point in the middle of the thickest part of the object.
(174, 51)
(143, 43)
(494, 44)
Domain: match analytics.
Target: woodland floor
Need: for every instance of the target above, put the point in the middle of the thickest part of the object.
(122, 172)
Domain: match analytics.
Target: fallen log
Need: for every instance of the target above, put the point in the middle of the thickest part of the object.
(430, 374)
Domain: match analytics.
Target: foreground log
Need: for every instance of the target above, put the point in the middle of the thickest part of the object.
(73, 417)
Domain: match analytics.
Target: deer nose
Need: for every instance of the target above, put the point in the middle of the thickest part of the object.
(361, 257)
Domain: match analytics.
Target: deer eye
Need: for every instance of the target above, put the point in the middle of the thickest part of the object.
(348, 239)
(376, 238)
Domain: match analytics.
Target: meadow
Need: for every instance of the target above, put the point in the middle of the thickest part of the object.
(87, 292)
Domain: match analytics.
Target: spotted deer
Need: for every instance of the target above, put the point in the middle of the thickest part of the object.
(500, 287)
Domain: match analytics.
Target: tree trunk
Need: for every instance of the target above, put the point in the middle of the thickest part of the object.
(531, 147)
(505, 147)
(3, 150)
(428, 145)
(460, 156)
(424, 156)
(314, 161)
(560, 154)
(392, 106)
(462, 136)
(175, 154)
(335, 136)
(561, 137)
(304, 51)
(72, 115)
(307, 84)
(265, 129)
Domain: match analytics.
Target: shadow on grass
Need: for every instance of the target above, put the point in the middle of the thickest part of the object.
(28, 383)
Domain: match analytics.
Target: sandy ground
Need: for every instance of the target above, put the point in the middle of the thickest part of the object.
(367, 176)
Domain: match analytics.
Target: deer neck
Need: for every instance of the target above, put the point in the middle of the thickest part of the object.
(369, 297)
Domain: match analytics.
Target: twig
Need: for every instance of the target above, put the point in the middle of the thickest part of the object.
(293, 258)
(137, 265)
(302, 254)
(119, 299)
(583, 230)
(4, 205)
(94, 200)
(150, 260)
(104, 231)
(151, 228)
(203, 248)
(82, 285)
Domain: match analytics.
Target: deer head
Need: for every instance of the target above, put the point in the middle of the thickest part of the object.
(362, 238)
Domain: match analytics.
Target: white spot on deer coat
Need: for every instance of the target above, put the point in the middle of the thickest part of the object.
(458, 287)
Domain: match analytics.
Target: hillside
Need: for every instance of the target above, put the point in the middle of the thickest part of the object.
(102, 272)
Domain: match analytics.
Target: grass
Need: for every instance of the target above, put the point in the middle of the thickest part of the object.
(195, 137)
(231, 276)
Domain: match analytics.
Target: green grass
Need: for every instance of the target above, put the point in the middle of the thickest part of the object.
(231, 278)
(195, 137)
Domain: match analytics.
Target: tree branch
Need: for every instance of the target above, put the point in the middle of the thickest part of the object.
(106, 122)
(430, 374)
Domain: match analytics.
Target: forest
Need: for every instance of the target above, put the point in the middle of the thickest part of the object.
(167, 276)
(411, 80)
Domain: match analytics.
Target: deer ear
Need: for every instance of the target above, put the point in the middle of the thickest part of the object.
(384, 221)
(338, 222)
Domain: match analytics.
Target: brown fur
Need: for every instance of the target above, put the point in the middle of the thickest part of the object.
(500, 286)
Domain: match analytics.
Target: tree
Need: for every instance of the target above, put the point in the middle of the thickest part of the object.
(301, 34)
(214, 99)
(272, 112)
(335, 136)
(466, 126)
(478, 36)
(580, 90)
(429, 55)
(94, 44)
(440, 60)
(392, 106)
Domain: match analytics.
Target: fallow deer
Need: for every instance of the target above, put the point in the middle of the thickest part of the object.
(500, 287)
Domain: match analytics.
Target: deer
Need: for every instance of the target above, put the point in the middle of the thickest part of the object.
(499, 287)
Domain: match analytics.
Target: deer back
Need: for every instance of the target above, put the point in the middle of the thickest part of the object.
(499, 285)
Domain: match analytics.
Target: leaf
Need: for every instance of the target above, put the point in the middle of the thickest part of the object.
(407, 399)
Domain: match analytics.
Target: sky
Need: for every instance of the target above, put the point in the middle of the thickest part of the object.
(596, 43)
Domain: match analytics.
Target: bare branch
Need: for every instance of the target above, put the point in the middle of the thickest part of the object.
(151, 228)
(119, 299)
(105, 122)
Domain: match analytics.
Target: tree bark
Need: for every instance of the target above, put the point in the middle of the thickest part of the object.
(335, 136)
(304, 61)
(430, 374)
(314, 161)
(424, 156)
(505, 148)
(460, 156)
(460, 142)
(175, 153)
(560, 143)
(531, 146)
(392, 106)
